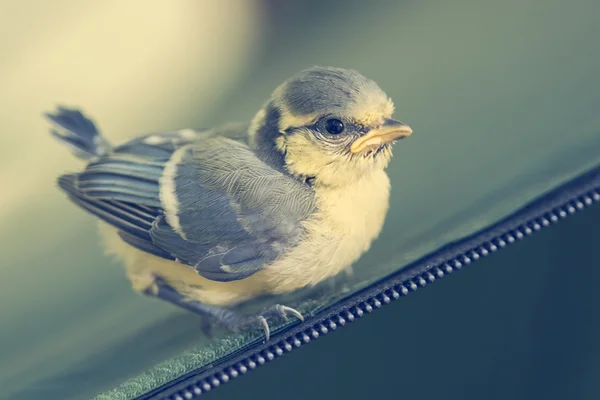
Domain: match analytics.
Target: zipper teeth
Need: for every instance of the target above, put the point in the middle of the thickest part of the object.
(386, 296)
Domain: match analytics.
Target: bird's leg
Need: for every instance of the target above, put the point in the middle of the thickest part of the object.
(226, 318)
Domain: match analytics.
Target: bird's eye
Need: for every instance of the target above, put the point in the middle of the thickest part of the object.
(334, 126)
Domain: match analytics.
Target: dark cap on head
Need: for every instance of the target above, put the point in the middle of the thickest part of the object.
(327, 88)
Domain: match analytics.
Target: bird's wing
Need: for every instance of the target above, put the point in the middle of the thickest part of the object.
(211, 204)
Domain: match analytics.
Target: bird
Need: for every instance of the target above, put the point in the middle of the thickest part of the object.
(210, 219)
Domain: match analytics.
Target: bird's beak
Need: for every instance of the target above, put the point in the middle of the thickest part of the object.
(391, 130)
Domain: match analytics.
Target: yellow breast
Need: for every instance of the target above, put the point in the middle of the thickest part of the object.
(349, 219)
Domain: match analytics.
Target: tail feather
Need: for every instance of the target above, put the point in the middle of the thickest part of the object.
(78, 132)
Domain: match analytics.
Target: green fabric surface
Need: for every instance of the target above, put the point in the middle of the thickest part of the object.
(504, 106)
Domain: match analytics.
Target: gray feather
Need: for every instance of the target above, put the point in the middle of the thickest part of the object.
(235, 213)
(78, 133)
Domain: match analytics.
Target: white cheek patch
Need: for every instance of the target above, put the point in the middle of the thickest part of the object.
(304, 157)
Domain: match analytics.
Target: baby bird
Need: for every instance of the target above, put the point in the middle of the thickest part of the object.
(209, 219)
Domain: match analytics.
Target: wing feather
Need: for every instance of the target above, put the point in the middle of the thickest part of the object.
(209, 202)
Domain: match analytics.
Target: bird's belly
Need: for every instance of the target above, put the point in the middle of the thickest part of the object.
(142, 268)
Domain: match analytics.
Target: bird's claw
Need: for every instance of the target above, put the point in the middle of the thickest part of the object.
(265, 327)
(285, 310)
(277, 310)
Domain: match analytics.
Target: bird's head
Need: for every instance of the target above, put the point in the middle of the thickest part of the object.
(330, 124)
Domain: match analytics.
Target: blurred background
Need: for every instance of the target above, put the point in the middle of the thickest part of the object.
(503, 98)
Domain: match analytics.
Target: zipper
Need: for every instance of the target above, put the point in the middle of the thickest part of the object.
(552, 207)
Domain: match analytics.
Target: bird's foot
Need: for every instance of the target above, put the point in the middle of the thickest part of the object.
(237, 322)
(228, 319)
(276, 311)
